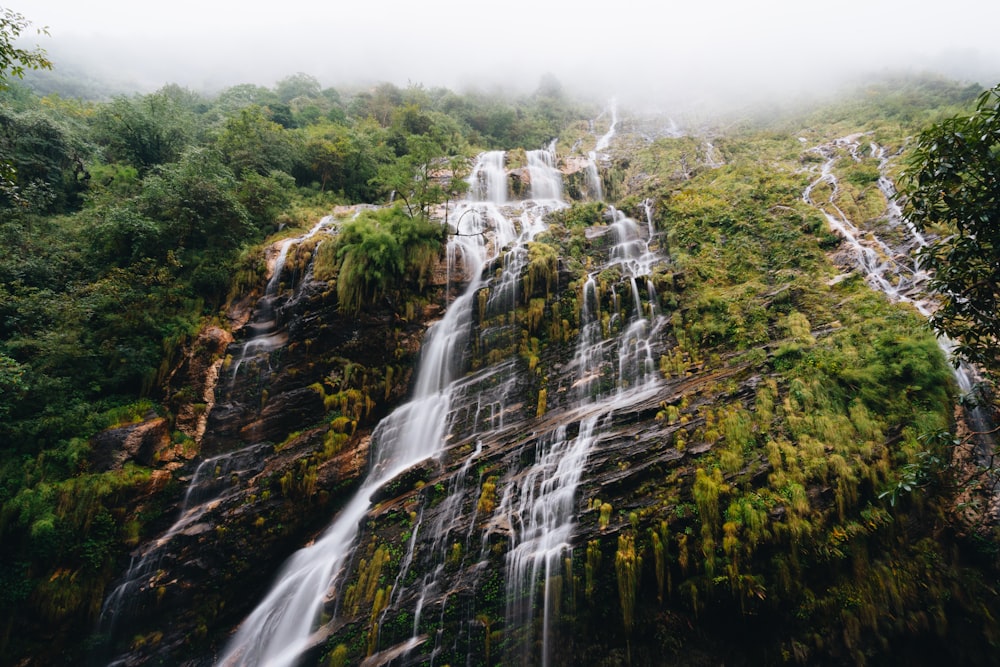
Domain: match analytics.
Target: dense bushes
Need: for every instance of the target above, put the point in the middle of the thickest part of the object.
(381, 254)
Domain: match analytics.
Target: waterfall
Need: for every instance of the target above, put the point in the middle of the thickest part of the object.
(543, 531)
(605, 139)
(267, 336)
(218, 478)
(593, 175)
(488, 181)
(281, 628)
(877, 261)
(546, 181)
(540, 503)
(546, 185)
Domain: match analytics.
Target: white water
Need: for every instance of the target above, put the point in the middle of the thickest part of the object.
(266, 335)
(880, 264)
(216, 479)
(281, 627)
(543, 525)
(605, 139)
(546, 181)
(594, 156)
(510, 238)
(893, 272)
(539, 503)
(488, 181)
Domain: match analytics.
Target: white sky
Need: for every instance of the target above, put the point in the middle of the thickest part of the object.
(614, 47)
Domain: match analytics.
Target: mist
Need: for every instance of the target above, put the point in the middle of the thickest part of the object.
(643, 53)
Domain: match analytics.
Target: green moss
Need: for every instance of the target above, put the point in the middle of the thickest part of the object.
(628, 565)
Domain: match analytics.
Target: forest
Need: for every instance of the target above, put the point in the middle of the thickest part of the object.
(802, 484)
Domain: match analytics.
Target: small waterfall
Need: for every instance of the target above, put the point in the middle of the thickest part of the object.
(488, 181)
(877, 261)
(493, 389)
(606, 138)
(542, 532)
(594, 156)
(594, 177)
(631, 248)
(215, 480)
(546, 180)
(893, 272)
(266, 333)
(218, 478)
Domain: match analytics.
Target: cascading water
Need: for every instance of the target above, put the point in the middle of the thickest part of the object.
(281, 628)
(448, 419)
(214, 480)
(539, 503)
(893, 271)
(493, 387)
(267, 334)
(593, 174)
(546, 184)
(217, 478)
(880, 265)
(488, 181)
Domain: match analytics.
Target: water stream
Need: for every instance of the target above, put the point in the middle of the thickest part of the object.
(282, 626)
(266, 332)
(539, 503)
(216, 479)
(594, 156)
(891, 269)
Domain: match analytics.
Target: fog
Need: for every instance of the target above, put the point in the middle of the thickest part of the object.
(637, 50)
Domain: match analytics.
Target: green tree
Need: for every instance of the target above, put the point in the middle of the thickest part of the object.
(251, 141)
(11, 383)
(145, 130)
(297, 85)
(47, 160)
(952, 185)
(14, 61)
(197, 201)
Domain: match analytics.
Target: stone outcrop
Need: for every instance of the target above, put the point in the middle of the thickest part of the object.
(144, 443)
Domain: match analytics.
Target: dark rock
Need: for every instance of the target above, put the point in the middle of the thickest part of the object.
(140, 442)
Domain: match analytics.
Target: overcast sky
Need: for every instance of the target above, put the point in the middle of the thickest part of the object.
(616, 47)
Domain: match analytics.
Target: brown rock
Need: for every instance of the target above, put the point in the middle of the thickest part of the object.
(140, 442)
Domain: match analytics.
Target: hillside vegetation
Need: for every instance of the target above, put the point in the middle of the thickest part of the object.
(801, 491)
